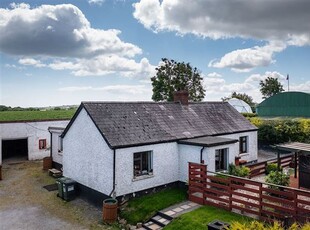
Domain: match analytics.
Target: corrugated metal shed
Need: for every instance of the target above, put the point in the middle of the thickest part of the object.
(287, 104)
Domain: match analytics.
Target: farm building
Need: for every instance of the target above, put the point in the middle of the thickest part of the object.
(286, 104)
(122, 148)
(26, 139)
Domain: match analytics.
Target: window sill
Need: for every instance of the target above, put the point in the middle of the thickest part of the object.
(142, 177)
(243, 154)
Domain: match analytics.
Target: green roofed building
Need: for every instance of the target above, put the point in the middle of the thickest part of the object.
(286, 104)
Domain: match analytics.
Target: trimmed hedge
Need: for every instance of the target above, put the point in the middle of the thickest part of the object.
(279, 131)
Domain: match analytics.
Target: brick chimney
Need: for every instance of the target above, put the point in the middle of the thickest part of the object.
(181, 96)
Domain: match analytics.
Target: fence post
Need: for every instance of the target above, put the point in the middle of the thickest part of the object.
(230, 194)
(260, 193)
(204, 183)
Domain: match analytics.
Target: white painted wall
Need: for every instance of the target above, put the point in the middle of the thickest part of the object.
(165, 167)
(56, 154)
(33, 131)
(87, 158)
(251, 155)
(187, 153)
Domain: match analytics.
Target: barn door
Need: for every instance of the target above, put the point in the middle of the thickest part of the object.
(304, 171)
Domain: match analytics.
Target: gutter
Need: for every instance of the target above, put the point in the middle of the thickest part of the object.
(114, 157)
(201, 161)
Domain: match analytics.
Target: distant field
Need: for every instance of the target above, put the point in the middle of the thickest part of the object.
(36, 115)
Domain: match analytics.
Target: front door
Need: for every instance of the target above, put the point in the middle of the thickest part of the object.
(221, 159)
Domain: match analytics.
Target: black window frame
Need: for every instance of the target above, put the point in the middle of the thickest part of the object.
(223, 159)
(243, 144)
(142, 163)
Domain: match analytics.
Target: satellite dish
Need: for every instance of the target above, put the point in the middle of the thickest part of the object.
(240, 106)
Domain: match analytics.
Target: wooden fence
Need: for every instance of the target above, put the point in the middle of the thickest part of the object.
(260, 168)
(255, 199)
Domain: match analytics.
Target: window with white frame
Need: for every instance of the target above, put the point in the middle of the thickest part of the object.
(243, 144)
(221, 159)
(143, 163)
(60, 144)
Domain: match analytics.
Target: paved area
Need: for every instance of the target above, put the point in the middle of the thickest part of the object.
(165, 216)
(25, 204)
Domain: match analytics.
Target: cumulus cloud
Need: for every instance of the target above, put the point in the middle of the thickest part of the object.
(244, 60)
(263, 20)
(214, 75)
(61, 38)
(280, 24)
(98, 66)
(96, 2)
(217, 87)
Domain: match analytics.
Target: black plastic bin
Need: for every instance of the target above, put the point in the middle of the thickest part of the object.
(66, 188)
(217, 225)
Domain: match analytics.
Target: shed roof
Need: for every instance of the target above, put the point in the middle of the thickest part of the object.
(294, 146)
(126, 124)
(208, 141)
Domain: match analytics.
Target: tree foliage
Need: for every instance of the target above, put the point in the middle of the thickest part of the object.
(270, 86)
(172, 76)
(242, 96)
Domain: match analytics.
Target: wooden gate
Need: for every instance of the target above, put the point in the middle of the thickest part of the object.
(304, 171)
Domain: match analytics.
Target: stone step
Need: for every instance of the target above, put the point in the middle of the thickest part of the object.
(150, 225)
(163, 215)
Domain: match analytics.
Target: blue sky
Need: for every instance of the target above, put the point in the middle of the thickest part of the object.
(64, 52)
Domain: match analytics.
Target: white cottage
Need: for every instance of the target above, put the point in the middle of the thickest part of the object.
(123, 148)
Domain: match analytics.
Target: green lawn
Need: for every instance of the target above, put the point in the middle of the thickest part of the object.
(199, 218)
(142, 208)
(36, 115)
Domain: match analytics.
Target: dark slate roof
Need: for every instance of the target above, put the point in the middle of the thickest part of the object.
(208, 141)
(124, 124)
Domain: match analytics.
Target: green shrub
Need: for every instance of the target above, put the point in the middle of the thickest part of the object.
(272, 167)
(240, 171)
(255, 225)
(248, 115)
(278, 178)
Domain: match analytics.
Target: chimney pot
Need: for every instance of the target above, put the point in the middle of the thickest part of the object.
(181, 96)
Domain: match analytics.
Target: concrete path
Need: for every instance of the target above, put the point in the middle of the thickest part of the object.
(165, 216)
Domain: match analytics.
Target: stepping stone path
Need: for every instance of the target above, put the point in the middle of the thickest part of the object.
(165, 216)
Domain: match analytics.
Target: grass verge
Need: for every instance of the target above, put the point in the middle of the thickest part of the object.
(201, 217)
(142, 208)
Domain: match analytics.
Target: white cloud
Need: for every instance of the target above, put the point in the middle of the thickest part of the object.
(96, 2)
(61, 38)
(244, 60)
(214, 75)
(31, 62)
(217, 87)
(262, 20)
(57, 31)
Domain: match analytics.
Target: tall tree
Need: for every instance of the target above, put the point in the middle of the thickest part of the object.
(270, 86)
(242, 96)
(172, 76)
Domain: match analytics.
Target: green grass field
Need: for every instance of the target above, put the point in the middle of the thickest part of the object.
(36, 115)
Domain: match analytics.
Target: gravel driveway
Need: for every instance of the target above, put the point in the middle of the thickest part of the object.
(24, 204)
